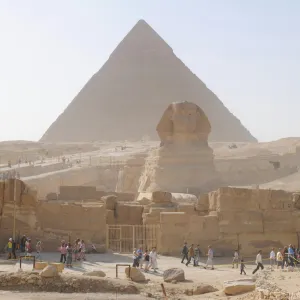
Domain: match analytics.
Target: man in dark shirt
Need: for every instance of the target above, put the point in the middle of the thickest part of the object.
(184, 253)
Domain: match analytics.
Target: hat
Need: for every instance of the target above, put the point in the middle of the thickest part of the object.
(10, 239)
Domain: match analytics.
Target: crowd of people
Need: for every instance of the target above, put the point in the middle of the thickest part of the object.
(285, 257)
(68, 252)
(146, 259)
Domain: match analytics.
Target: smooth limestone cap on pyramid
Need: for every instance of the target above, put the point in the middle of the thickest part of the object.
(125, 98)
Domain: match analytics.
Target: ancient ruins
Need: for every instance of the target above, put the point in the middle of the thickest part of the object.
(184, 161)
(139, 80)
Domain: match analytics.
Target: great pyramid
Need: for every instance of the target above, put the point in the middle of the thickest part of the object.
(126, 97)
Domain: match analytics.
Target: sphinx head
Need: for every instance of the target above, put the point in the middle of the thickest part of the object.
(183, 122)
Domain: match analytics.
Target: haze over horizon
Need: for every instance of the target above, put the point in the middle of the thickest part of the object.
(248, 54)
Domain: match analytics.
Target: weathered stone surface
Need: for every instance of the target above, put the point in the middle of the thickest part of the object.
(238, 286)
(167, 79)
(110, 201)
(204, 289)
(97, 273)
(184, 162)
(135, 274)
(49, 271)
(174, 274)
(161, 197)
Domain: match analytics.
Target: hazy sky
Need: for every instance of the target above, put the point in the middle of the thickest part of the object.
(246, 51)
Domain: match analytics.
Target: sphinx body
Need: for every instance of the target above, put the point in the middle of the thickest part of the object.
(184, 161)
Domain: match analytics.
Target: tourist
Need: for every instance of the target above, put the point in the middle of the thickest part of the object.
(69, 255)
(153, 259)
(184, 252)
(291, 254)
(9, 248)
(210, 256)
(82, 250)
(279, 259)
(146, 260)
(14, 246)
(272, 258)
(28, 248)
(135, 258)
(197, 256)
(191, 254)
(235, 260)
(258, 262)
(63, 252)
(243, 267)
(139, 253)
(38, 248)
(23, 242)
(285, 255)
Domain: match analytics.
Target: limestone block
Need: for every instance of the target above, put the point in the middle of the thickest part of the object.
(173, 274)
(239, 286)
(51, 196)
(130, 214)
(110, 201)
(250, 243)
(96, 273)
(77, 192)
(188, 209)
(150, 219)
(28, 200)
(204, 289)
(234, 199)
(40, 265)
(212, 201)
(49, 271)
(203, 228)
(240, 221)
(110, 217)
(135, 274)
(203, 203)
(278, 220)
(173, 217)
(141, 196)
(161, 197)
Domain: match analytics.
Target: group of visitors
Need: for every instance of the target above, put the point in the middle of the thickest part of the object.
(193, 253)
(67, 250)
(141, 258)
(24, 246)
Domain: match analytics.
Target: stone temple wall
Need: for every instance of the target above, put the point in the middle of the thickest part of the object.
(234, 217)
(51, 221)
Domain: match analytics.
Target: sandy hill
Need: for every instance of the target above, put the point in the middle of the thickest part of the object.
(127, 96)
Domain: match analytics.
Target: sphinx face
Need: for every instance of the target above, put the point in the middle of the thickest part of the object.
(184, 118)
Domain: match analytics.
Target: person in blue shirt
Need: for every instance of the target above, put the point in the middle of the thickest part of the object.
(291, 254)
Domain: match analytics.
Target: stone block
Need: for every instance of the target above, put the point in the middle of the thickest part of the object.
(233, 222)
(188, 209)
(110, 217)
(110, 201)
(203, 203)
(161, 197)
(278, 221)
(130, 214)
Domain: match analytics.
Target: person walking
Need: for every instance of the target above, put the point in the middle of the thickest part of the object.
(291, 254)
(69, 255)
(279, 259)
(235, 260)
(258, 262)
(184, 252)
(153, 259)
(9, 248)
(38, 248)
(23, 242)
(197, 256)
(63, 252)
(272, 259)
(191, 254)
(210, 256)
(243, 267)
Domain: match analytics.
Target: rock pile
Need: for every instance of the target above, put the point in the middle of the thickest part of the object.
(32, 281)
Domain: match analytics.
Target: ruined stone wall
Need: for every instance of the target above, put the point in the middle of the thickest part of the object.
(234, 217)
(50, 221)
